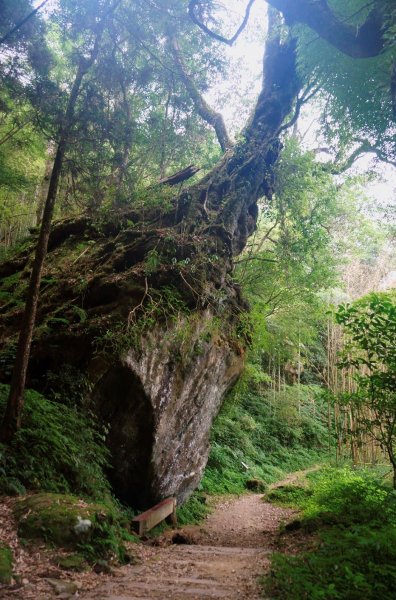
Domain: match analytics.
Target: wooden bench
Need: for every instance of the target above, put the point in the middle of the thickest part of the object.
(150, 518)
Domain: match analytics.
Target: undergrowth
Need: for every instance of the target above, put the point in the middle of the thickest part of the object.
(288, 495)
(193, 511)
(354, 516)
(263, 436)
(57, 449)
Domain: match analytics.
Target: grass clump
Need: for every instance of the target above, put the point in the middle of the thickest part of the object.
(5, 564)
(288, 495)
(193, 511)
(355, 556)
(57, 449)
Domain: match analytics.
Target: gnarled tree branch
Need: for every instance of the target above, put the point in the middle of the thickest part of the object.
(359, 42)
(308, 94)
(180, 176)
(365, 147)
(207, 113)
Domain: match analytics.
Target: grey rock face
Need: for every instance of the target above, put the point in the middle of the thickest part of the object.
(159, 403)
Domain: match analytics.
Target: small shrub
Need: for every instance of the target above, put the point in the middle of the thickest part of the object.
(193, 511)
(255, 485)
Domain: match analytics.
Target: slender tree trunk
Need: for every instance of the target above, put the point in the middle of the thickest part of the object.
(21, 23)
(12, 418)
(44, 187)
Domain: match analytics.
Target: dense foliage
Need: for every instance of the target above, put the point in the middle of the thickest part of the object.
(370, 327)
(262, 435)
(133, 119)
(354, 516)
(58, 449)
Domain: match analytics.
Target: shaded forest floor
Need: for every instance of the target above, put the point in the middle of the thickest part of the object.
(221, 558)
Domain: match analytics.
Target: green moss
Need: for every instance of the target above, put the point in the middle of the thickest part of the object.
(54, 518)
(5, 297)
(8, 283)
(5, 564)
(73, 562)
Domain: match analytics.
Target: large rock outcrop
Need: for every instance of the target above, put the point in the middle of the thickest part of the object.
(143, 303)
(157, 336)
(160, 405)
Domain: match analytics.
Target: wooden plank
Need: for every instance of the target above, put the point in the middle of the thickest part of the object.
(155, 515)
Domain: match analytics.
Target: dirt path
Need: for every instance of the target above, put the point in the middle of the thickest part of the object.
(222, 558)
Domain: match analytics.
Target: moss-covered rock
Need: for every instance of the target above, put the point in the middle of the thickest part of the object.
(72, 562)
(69, 522)
(5, 564)
(55, 517)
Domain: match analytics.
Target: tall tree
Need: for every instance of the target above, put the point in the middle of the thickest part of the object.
(12, 418)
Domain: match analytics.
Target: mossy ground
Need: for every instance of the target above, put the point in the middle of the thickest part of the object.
(54, 517)
(72, 562)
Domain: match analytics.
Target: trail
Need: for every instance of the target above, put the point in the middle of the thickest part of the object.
(222, 558)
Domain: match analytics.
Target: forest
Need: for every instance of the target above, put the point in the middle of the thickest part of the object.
(198, 299)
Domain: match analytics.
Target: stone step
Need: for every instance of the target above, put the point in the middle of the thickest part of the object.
(185, 587)
(218, 550)
(188, 572)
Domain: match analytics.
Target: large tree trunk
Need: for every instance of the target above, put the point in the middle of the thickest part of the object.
(224, 203)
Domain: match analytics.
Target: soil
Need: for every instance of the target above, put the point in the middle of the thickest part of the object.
(221, 558)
